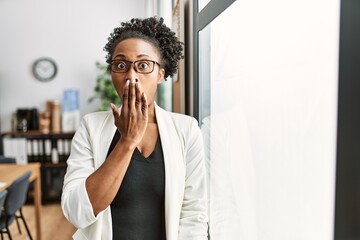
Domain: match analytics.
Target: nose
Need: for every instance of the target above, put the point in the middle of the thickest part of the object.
(131, 73)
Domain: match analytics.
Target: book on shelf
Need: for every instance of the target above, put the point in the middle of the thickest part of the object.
(16, 148)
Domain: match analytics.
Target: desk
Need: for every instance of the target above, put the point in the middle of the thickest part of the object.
(10, 172)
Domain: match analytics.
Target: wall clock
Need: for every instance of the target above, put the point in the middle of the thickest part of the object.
(44, 69)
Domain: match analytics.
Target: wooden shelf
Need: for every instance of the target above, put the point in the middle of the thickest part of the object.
(36, 134)
(48, 164)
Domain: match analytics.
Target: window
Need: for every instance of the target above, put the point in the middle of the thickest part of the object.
(267, 104)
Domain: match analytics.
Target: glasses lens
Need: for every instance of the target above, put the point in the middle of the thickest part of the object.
(144, 66)
(120, 66)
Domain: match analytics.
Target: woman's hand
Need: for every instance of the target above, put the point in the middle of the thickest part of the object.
(103, 184)
(133, 118)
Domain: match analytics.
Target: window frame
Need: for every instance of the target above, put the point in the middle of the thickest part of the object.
(201, 19)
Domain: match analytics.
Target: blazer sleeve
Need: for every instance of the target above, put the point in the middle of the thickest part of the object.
(75, 202)
(193, 217)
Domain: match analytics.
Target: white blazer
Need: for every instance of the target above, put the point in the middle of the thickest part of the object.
(185, 184)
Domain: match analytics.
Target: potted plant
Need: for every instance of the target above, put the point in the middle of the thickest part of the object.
(104, 89)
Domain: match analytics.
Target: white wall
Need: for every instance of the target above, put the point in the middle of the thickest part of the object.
(73, 33)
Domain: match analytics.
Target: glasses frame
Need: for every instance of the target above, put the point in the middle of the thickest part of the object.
(134, 65)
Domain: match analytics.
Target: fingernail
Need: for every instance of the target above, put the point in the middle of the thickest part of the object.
(133, 80)
(127, 82)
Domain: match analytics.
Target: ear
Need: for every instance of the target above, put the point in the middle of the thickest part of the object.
(161, 75)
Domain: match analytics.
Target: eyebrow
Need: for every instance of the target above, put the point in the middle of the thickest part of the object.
(138, 56)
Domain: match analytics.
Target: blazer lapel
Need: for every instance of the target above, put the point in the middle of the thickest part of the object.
(106, 136)
(174, 171)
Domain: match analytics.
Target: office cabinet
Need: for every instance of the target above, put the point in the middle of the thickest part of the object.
(51, 150)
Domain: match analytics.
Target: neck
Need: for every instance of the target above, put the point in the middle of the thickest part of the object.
(151, 112)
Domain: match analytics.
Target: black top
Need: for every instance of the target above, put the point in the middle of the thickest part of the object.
(138, 209)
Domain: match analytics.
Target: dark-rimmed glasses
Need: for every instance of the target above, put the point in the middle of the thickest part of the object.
(140, 66)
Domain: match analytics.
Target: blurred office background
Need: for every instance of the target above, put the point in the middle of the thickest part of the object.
(273, 85)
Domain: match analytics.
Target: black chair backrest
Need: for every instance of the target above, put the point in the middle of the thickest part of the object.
(7, 159)
(16, 194)
(2, 200)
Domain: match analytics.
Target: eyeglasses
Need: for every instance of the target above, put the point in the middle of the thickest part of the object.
(140, 66)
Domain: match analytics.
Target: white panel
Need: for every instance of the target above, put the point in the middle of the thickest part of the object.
(271, 134)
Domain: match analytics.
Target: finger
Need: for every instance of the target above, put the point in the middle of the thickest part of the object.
(115, 110)
(125, 96)
(144, 105)
(132, 94)
(138, 95)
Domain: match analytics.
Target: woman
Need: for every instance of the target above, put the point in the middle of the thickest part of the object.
(137, 172)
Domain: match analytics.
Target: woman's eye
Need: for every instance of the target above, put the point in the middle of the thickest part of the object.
(121, 65)
(143, 65)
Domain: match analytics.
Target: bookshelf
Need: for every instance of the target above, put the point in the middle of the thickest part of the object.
(51, 150)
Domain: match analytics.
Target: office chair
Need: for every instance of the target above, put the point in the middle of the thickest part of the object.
(15, 200)
(4, 159)
(2, 201)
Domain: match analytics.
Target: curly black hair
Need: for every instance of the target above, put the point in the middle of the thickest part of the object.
(153, 30)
